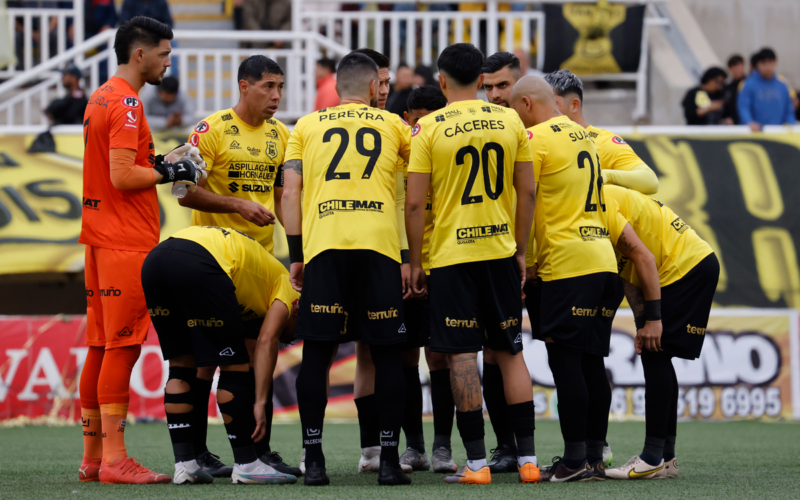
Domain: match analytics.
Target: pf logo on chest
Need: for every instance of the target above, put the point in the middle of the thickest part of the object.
(272, 150)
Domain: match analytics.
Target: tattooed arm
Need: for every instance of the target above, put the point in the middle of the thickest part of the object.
(635, 298)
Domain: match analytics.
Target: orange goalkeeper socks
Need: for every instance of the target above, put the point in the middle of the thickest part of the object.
(92, 431)
(113, 394)
(113, 417)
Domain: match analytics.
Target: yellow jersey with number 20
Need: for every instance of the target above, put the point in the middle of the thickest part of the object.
(350, 164)
(469, 148)
(570, 217)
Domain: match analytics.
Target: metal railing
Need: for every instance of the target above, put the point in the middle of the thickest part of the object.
(41, 33)
(213, 87)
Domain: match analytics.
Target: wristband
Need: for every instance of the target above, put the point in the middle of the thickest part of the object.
(639, 321)
(295, 247)
(405, 257)
(652, 310)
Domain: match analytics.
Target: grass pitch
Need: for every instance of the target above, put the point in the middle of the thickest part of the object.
(717, 460)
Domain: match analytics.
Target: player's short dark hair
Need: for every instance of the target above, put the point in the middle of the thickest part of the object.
(169, 85)
(765, 54)
(712, 73)
(402, 65)
(462, 62)
(328, 64)
(355, 72)
(500, 60)
(254, 68)
(564, 82)
(381, 60)
(427, 97)
(140, 30)
(734, 60)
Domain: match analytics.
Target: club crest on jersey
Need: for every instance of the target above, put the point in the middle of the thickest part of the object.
(415, 130)
(130, 101)
(202, 127)
(272, 150)
(618, 140)
(194, 140)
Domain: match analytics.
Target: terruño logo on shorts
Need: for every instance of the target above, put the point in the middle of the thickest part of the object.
(607, 313)
(470, 234)
(391, 313)
(461, 323)
(590, 233)
(580, 311)
(227, 352)
(332, 206)
(511, 321)
(212, 322)
(125, 332)
(110, 292)
(695, 330)
(334, 309)
(158, 311)
(679, 225)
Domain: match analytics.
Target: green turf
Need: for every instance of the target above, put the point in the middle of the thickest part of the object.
(717, 460)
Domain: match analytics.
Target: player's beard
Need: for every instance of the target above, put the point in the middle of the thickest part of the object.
(150, 77)
(374, 102)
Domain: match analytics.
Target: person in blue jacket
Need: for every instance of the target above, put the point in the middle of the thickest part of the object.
(765, 99)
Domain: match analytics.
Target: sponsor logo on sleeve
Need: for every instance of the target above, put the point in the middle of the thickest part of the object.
(194, 140)
(131, 116)
(130, 101)
(530, 135)
(618, 140)
(415, 130)
(202, 127)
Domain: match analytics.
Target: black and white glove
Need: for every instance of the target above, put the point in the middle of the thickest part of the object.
(182, 172)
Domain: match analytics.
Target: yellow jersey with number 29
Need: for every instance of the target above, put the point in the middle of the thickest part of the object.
(350, 163)
(570, 218)
(469, 148)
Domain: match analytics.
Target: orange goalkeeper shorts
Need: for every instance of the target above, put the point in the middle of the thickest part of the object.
(116, 312)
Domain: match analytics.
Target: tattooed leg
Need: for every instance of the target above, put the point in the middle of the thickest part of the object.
(465, 381)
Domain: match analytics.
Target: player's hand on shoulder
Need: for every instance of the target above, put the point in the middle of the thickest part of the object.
(296, 274)
(256, 213)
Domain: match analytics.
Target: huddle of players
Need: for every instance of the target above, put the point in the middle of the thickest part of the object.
(214, 288)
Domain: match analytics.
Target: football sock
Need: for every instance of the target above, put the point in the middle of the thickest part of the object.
(200, 394)
(653, 451)
(412, 415)
(599, 391)
(237, 413)
(113, 394)
(312, 397)
(523, 423)
(443, 408)
(574, 453)
(90, 408)
(496, 405)
(672, 423)
(178, 403)
(470, 427)
(368, 425)
(669, 447)
(658, 397)
(573, 401)
(390, 396)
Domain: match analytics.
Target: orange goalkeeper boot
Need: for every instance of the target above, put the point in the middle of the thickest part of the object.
(90, 469)
(465, 475)
(129, 470)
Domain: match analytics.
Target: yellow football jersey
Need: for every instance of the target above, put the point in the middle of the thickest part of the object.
(469, 148)
(260, 279)
(350, 164)
(244, 162)
(614, 152)
(676, 247)
(570, 217)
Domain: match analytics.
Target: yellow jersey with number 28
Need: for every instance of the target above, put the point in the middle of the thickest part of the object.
(350, 163)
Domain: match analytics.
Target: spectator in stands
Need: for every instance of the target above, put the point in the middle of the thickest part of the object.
(764, 99)
(703, 105)
(325, 73)
(157, 9)
(69, 109)
(98, 16)
(267, 15)
(423, 75)
(168, 107)
(737, 73)
(397, 102)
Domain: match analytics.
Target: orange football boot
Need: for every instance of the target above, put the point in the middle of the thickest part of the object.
(529, 473)
(465, 475)
(90, 469)
(129, 471)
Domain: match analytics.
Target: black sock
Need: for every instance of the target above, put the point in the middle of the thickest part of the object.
(412, 414)
(660, 390)
(390, 395)
(312, 396)
(653, 451)
(470, 427)
(594, 450)
(496, 406)
(669, 448)
(200, 395)
(180, 424)
(443, 408)
(599, 391)
(368, 421)
(573, 401)
(239, 410)
(523, 421)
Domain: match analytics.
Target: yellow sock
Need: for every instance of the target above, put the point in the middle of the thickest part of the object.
(92, 433)
(113, 417)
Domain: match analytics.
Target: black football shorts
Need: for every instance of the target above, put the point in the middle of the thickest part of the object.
(193, 306)
(418, 321)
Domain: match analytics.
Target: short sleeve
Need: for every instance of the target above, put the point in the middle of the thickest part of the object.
(538, 152)
(420, 161)
(523, 146)
(405, 145)
(283, 135)
(294, 147)
(619, 155)
(205, 137)
(123, 126)
(282, 290)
